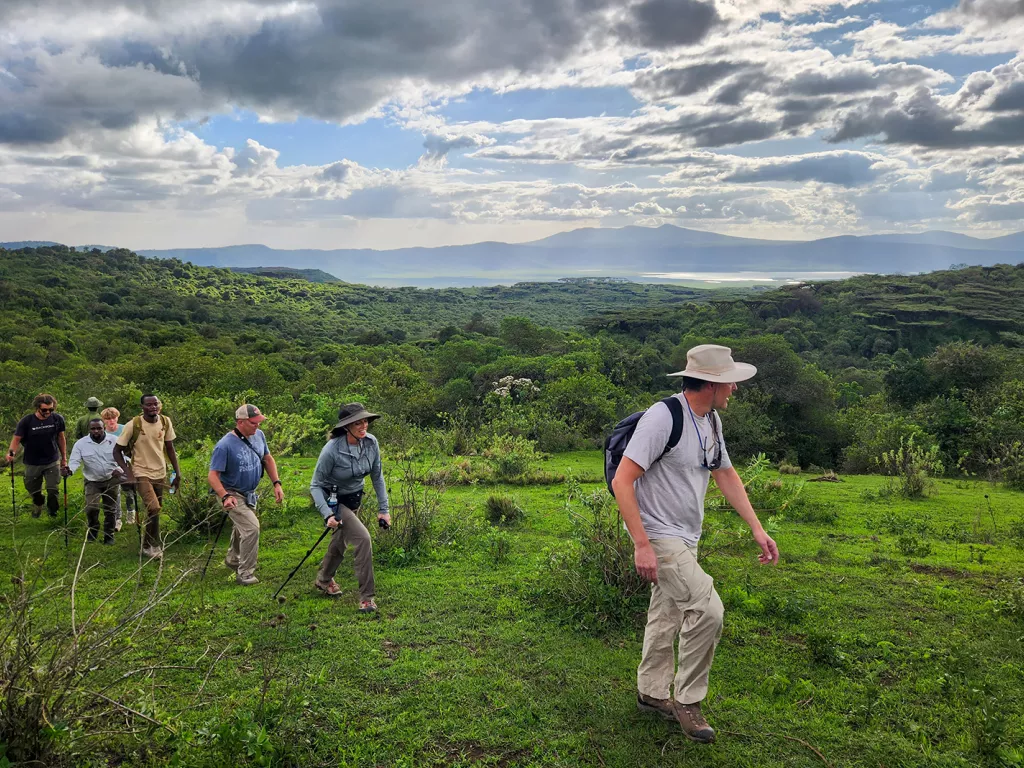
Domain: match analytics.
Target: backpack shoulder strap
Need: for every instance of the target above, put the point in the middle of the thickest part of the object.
(165, 423)
(136, 430)
(676, 409)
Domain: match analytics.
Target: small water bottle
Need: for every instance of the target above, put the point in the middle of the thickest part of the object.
(171, 479)
(332, 500)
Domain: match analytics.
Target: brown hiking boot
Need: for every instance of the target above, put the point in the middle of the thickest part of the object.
(653, 706)
(693, 723)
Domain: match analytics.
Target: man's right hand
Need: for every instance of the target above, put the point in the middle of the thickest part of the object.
(229, 502)
(646, 563)
(333, 522)
(128, 478)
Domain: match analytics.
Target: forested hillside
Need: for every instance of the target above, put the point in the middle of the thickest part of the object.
(847, 368)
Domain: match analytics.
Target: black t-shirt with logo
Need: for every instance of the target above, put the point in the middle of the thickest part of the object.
(39, 438)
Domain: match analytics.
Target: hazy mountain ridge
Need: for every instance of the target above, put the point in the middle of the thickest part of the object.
(632, 252)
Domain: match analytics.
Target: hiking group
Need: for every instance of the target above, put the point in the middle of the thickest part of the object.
(125, 461)
(657, 464)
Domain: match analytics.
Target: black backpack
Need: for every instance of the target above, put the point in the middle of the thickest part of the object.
(616, 442)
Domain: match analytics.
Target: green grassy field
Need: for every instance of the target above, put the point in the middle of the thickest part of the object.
(889, 636)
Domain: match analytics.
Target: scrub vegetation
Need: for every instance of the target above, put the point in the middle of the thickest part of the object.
(880, 444)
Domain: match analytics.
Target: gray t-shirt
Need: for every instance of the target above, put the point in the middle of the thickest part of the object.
(671, 491)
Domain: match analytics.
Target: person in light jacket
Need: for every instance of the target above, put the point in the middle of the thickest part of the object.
(349, 456)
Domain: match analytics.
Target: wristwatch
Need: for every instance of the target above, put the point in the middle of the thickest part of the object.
(225, 497)
(277, 482)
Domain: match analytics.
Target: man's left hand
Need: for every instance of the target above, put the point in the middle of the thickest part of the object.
(278, 494)
(769, 549)
(386, 517)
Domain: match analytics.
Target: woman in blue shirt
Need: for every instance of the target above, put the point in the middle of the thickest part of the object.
(349, 456)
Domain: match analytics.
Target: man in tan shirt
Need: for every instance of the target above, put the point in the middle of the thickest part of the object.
(148, 469)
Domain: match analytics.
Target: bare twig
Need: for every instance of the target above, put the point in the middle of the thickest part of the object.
(811, 747)
(128, 709)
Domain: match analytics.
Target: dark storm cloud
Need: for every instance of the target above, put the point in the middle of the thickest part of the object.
(1010, 98)
(922, 121)
(993, 10)
(684, 81)
(667, 23)
(857, 79)
(333, 59)
(848, 169)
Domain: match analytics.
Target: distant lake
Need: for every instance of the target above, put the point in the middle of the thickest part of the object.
(748, 277)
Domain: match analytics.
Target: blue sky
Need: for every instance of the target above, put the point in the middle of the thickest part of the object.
(402, 122)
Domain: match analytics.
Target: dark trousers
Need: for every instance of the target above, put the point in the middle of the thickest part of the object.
(99, 492)
(35, 475)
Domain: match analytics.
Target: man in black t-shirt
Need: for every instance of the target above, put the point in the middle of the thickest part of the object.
(46, 452)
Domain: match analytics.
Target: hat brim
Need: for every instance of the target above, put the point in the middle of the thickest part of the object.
(356, 417)
(740, 372)
(259, 418)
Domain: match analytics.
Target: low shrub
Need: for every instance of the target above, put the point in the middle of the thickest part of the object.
(193, 508)
(411, 536)
(503, 510)
(592, 583)
(1009, 600)
(912, 545)
(511, 457)
(826, 648)
(498, 546)
(1008, 465)
(910, 466)
(786, 468)
(817, 512)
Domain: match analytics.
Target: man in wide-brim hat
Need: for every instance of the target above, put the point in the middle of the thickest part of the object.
(661, 497)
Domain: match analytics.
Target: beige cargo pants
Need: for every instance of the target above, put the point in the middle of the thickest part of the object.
(245, 537)
(684, 604)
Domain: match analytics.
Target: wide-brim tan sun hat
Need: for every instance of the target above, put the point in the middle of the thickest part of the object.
(712, 362)
(352, 412)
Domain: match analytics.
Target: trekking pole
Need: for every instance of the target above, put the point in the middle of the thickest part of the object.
(223, 519)
(327, 529)
(14, 499)
(65, 512)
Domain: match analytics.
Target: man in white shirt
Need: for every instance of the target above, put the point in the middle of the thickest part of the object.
(95, 454)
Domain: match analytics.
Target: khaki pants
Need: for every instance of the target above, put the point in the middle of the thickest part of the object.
(35, 475)
(152, 493)
(351, 533)
(96, 493)
(684, 603)
(245, 537)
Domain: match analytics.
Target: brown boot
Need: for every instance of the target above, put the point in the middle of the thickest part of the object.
(653, 706)
(693, 723)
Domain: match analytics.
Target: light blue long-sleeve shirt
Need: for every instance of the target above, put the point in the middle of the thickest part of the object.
(346, 466)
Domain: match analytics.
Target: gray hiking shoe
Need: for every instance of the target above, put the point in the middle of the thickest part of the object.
(246, 581)
(693, 723)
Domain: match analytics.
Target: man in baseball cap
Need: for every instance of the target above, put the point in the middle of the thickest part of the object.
(661, 497)
(92, 407)
(236, 468)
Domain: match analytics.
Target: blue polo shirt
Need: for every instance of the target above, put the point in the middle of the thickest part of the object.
(239, 466)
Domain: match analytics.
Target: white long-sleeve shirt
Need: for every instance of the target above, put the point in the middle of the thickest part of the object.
(96, 459)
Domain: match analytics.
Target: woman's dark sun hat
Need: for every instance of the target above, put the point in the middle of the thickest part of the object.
(353, 412)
